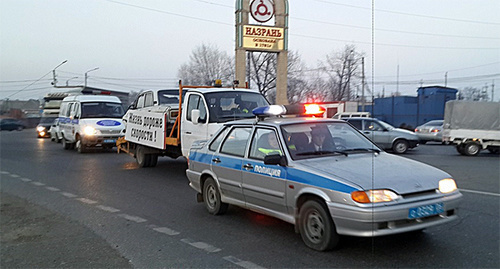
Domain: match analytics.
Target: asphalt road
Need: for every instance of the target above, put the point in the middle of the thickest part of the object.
(149, 218)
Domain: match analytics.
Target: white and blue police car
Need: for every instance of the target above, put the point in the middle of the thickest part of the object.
(322, 175)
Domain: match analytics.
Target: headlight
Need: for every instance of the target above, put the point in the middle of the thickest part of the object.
(447, 185)
(89, 130)
(373, 196)
(40, 128)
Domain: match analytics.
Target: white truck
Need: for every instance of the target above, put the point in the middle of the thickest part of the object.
(472, 126)
(166, 122)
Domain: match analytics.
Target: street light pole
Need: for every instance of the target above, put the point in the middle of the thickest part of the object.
(69, 80)
(54, 82)
(86, 76)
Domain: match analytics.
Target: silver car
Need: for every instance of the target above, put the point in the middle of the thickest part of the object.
(385, 135)
(430, 131)
(346, 186)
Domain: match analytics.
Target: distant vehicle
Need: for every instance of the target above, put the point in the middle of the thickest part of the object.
(10, 124)
(430, 131)
(90, 121)
(472, 126)
(43, 127)
(385, 135)
(322, 175)
(55, 132)
(346, 115)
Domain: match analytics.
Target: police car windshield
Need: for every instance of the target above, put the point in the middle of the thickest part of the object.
(101, 110)
(234, 105)
(320, 139)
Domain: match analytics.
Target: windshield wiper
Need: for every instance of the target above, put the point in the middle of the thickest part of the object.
(364, 149)
(323, 152)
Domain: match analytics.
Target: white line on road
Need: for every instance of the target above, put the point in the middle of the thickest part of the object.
(166, 231)
(132, 218)
(108, 208)
(201, 245)
(481, 192)
(86, 201)
(52, 189)
(14, 175)
(36, 183)
(241, 263)
(4, 173)
(26, 179)
(69, 195)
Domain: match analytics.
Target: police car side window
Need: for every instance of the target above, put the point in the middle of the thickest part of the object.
(217, 141)
(236, 142)
(264, 142)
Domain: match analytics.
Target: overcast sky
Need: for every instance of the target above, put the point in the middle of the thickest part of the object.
(140, 44)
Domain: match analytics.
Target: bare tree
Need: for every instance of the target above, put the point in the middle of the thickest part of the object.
(344, 71)
(473, 94)
(207, 63)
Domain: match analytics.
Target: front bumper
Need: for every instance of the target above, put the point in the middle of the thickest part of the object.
(391, 219)
(100, 141)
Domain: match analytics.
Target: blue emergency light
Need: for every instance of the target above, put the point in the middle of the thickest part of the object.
(297, 109)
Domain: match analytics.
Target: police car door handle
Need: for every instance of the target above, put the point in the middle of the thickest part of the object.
(216, 160)
(248, 166)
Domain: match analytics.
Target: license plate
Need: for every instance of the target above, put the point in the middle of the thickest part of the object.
(425, 211)
(109, 141)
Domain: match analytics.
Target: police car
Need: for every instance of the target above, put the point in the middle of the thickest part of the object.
(322, 175)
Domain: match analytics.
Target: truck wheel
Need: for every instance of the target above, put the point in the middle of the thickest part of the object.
(316, 226)
(142, 159)
(153, 160)
(460, 149)
(400, 146)
(472, 149)
(494, 150)
(211, 198)
(80, 146)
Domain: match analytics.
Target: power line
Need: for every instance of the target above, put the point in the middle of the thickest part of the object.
(29, 85)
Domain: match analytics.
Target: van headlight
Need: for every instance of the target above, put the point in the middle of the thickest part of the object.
(447, 185)
(89, 130)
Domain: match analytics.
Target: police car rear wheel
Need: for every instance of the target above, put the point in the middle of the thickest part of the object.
(316, 226)
(211, 198)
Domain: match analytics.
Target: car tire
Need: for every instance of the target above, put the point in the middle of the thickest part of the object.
(211, 198)
(400, 146)
(472, 149)
(65, 143)
(316, 226)
(80, 146)
(143, 159)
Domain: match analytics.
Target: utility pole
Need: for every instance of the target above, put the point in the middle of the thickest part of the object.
(86, 76)
(54, 81)
(493, 91)
(445, 79)
(363, 84)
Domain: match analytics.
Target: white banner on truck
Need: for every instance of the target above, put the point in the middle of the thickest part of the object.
(146, 128)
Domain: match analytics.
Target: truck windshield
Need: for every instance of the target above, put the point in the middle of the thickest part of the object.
(234, 105)
(101, 110)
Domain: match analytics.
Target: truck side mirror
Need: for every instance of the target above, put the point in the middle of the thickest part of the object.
(195, 116)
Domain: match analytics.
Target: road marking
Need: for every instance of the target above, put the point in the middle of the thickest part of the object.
(132, 218)
(108, 208)
(480, 192)
(52, 189)
(36, 183)
(241, 263)
(201, 245)
(26, 179)
(166, 231)
(4, 173)
(14, 175)
(86, 201)
(69, 195)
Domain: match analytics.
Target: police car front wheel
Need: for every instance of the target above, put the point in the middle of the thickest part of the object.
(316, 226)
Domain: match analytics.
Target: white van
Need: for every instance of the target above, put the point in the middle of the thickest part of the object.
(90, 121)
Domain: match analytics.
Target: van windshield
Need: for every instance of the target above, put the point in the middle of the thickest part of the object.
(101, 110)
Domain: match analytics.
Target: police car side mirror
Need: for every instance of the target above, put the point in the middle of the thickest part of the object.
(275, 159)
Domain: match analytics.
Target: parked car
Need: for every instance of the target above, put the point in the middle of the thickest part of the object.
(430, 131)
(322, 175)
(384, 135)
(10, 124)
(43, 127)
(55, 133)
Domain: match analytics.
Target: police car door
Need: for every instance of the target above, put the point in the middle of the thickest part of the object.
(227, 163)
(264, 185)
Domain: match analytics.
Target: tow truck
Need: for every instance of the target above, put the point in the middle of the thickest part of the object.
(167, 122)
